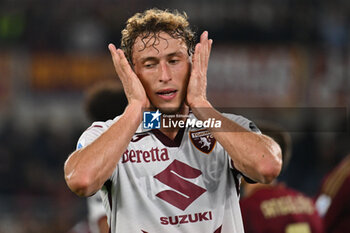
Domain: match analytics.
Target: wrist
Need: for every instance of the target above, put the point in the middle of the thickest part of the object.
(134, 111)
(200, 103)
(143, 104)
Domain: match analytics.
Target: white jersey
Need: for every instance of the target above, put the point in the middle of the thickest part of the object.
(96, 211)
(183, 185)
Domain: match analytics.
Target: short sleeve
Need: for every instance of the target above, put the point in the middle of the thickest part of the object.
(93, 132)
(242, 121)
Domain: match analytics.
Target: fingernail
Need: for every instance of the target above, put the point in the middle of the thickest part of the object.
(110, 45)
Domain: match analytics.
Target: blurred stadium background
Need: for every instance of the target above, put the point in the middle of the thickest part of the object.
(267, 55)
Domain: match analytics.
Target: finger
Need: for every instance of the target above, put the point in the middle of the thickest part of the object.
(123, 62)
(111, 47)
(203, 51)
(204, 37)
(210, 44)
(119, 59)
(209, 51)
(116, 59)
(120, 64)
(197, 58)
(204, 41)
(113, 52)
(206, 48)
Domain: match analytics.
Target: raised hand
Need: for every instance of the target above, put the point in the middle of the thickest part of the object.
(132, 85)
(197, 85)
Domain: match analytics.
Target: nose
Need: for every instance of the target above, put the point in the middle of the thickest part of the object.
(164, 73)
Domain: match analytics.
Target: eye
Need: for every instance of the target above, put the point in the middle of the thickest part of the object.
(173, 61)
(149, 65)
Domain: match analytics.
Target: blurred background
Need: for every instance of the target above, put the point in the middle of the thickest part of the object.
(282, 60)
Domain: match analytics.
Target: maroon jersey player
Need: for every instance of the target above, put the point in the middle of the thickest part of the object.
(333, 201)
(275, 208)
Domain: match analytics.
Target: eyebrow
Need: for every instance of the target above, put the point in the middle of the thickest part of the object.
(145, 59)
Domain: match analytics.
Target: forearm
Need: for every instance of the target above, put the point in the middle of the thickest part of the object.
(87, 169)
(255, 155)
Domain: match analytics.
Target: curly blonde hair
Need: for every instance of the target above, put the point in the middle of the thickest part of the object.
(152, 22)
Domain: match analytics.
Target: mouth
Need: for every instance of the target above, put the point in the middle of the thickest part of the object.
(167, 94)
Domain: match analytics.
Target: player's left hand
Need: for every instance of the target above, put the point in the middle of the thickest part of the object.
(197, 84)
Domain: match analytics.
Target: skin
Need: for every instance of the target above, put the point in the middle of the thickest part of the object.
(167, 67)
(103, 225)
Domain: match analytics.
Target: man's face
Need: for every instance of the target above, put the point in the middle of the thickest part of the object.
(163, 69)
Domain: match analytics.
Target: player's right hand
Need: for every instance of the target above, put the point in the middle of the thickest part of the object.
(133, 88)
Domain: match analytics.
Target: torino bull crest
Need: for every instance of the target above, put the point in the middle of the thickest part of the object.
(203, 140)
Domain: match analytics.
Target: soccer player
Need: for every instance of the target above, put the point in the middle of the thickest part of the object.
(175, 179)
(333, 200)
(276, 208)
(103, 101)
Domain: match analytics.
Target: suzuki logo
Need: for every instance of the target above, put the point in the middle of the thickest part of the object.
(171, 177)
